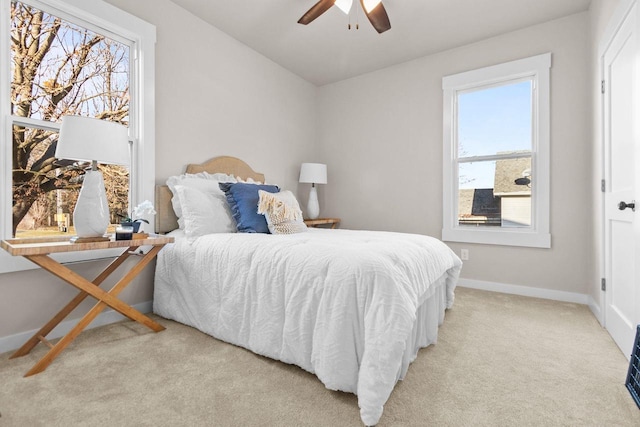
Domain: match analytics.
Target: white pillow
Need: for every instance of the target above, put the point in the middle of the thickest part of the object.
(202, 181)
(250, 181)
(282, 212)
(203, 212)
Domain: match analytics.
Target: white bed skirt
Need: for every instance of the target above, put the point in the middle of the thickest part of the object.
(429, 317)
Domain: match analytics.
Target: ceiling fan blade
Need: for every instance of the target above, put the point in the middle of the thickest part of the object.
(378, 17)
(316, 10)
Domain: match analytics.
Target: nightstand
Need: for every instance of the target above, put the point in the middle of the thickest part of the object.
(333, 222)
(37, 250)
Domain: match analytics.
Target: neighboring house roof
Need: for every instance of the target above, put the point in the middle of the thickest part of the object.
(478, 203)
(507, 171)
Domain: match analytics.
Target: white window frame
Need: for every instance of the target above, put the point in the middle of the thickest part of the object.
(102, 17)
(537, 68)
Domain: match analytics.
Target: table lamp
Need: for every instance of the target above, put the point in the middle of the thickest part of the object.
(313, 173)
(92, 140)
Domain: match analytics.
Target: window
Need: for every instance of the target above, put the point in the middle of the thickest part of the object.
(496, 154)
(59, 68)
(60, 58)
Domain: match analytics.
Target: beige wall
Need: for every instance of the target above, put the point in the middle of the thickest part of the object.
(214, 96)
(381, 136)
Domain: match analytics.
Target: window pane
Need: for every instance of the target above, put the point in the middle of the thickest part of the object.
(59, 68)
(477, 204)
(45, 192)
(495, 120)
(495, 193)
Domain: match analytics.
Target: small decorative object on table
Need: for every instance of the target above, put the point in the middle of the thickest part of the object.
(124, 232)
(130, 226)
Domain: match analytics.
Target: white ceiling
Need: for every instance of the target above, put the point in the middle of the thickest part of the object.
(325, 51)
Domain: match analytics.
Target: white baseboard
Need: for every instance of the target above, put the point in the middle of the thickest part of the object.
(13, 342)
(595, 309)
(525, 291)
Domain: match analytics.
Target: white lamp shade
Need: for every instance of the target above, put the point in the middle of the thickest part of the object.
(313, 173)
(88, 139)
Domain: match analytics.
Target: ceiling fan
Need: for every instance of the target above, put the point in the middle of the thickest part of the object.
(374, 10)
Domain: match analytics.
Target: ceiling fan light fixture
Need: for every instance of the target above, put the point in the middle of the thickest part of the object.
(375, 11)
(369, 5)
(344, 5)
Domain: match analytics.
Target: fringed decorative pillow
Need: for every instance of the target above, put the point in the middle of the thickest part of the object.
(282, 212)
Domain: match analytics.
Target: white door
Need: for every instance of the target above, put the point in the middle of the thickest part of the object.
(621, 157)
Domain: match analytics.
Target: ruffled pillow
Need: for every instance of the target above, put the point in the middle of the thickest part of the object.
(243, 202)
(282, 212)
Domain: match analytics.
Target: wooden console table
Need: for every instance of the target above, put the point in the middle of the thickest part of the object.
(37, 250)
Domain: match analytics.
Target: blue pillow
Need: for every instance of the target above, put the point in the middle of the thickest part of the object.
(243, 201)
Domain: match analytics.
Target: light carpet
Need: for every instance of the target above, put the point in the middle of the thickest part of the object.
(500, 360)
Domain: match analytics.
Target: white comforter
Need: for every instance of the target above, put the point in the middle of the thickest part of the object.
(338, 303)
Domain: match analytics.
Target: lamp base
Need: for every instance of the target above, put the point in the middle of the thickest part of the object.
(313, 207)
(91, 214)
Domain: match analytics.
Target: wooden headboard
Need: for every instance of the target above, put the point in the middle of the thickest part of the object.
(166, 219)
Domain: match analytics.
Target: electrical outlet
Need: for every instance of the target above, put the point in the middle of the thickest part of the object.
(464, 254)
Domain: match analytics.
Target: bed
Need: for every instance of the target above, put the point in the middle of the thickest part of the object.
(352, 307)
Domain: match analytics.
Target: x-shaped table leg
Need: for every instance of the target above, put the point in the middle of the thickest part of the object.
(87, 289)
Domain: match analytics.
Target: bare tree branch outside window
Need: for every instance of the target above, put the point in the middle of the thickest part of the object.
(59, 68)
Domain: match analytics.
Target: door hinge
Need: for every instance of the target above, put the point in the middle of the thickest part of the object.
(603, 186)
(602, 86)
(603, 284)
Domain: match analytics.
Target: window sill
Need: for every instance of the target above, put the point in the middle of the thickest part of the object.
(498, 237)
